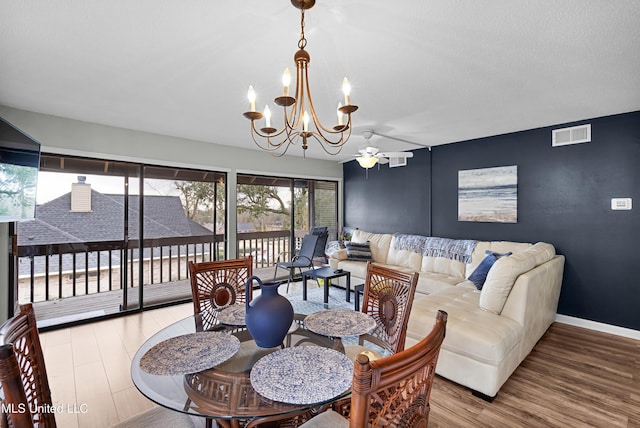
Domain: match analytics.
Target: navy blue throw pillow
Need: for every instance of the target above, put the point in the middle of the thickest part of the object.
(479, 275)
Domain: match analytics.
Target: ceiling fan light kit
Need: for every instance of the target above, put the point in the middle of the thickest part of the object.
(298, 111)
(367, 161)
(370, 156)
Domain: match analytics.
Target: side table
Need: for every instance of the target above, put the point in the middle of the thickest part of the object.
(326, 273)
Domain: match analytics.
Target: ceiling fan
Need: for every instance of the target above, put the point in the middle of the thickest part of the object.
(370, 155)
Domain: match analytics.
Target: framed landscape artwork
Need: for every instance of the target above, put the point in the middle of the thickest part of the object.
(488, 195)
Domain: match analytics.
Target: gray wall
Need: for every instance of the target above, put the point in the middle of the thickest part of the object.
(67, 136)
(564, 197)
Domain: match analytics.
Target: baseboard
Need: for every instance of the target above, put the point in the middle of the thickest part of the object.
(598, 326)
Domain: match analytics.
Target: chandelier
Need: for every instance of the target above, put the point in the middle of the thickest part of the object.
(301, 123)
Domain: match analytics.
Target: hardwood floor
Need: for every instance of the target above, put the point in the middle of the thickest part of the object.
(573, 378)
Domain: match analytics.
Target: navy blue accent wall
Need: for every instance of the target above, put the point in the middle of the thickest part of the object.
(564, 197)
(386, 198)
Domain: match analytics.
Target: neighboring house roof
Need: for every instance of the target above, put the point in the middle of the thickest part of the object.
(55, 223)
(198, 230)
(37, 231)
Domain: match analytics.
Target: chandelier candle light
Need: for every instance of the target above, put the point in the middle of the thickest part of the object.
(302, 113)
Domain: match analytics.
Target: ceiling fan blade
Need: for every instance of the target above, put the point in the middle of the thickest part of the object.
(370, 150)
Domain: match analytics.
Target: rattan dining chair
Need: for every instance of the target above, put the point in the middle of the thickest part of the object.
(216, 285)
(393, 391)
(25, 386)
(388, 297)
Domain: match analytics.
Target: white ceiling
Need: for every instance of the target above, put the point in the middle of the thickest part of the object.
(431, 72)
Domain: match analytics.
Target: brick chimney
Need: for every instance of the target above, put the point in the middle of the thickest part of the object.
(81, 196)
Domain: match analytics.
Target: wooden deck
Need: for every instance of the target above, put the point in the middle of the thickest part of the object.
(76, 309)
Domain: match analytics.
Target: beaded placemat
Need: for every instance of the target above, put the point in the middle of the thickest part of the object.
(339, 323)
(189, 353)
(233, 315)
(302, 375)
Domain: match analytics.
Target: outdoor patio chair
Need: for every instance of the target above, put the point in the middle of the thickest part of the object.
(303, 258)
(323, 234)
(216, 285)
(393, 391)
(25, 386)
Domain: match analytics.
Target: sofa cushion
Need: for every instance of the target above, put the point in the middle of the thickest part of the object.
(443, 265)
(404, 257)
(358, 270)
(357, 251)
(506, 270)
(378, 242)
(472, 332)
(431, 282)
(447, 256)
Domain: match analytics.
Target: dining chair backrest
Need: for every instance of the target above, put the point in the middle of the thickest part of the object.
(392, 391)
(26, 396)
(23, 374)
(218, 284)
(388, 297)
(395, 390)
(13, 394)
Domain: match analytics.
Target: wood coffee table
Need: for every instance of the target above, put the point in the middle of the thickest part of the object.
(326, 274)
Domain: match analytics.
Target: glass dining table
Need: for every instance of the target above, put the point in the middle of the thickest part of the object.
(225, 392)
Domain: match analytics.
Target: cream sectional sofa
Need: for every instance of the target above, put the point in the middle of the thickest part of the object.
(489, 331)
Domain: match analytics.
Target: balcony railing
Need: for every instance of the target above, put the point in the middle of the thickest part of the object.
(56, 271)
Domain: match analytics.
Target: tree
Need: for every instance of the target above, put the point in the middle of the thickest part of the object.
(195, 194)
(260, 200)
(17, 188)
(260, 204)
(301, 204)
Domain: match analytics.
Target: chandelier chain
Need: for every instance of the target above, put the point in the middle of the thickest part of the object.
(302, 43)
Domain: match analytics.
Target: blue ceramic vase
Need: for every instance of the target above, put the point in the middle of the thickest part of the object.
(268, 316)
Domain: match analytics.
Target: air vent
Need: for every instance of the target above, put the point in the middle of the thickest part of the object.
(394, 162)
(572, 135)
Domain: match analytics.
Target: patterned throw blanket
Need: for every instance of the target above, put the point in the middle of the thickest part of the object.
(454, 249)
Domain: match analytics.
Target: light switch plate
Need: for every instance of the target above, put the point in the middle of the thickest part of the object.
(621, 203)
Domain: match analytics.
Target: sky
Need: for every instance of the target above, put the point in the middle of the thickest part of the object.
(54, 184)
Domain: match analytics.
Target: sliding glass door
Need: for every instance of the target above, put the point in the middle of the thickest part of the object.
(73, 257)
(184, 221)
(115, 236)
(274, 213)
